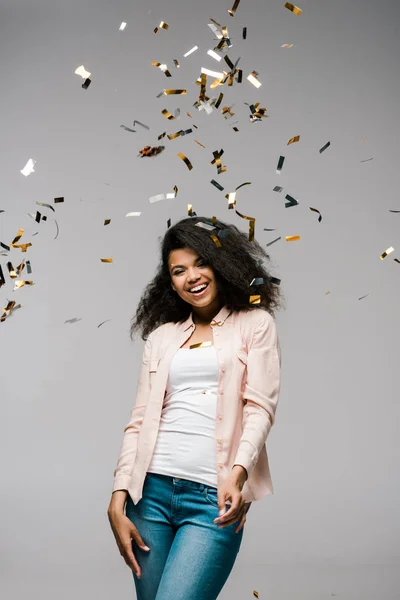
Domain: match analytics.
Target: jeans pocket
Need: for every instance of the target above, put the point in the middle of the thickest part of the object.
(211, 496)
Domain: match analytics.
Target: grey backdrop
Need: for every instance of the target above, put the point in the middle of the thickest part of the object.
(332, 527)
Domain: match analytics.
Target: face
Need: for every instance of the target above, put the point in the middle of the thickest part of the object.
(188, 270)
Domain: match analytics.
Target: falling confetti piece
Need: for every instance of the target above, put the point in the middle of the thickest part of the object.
(316, 210)
(394, 211)
(294, 9)
(169, 116)
(386, 253)
(242, 184)
(234, 8)
(128, 129)
(151, 151)
(190, 51)
(160, 197)
(280, 165)
(107, 221)
(324, 147)
(122, 26)
(133, 214)
(362, 297)
(162, 67)
(277, 188)
(244, 34)
(176, 63)
(106, 260)
(169, 92)
(82, 72)
(106, 321)
(368, 159)
(294, 139)
(254, 80)
(292, 238)
(287, 46)
(291, 201)
(217, 185)
(162, 25)
(141, 124)
(251, 224)
(186, 161)
(211, 73)
(28, 168)
(273, 241)
(197, 142)
(214, 55)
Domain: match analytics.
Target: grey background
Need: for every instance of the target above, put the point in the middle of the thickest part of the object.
(332, 527)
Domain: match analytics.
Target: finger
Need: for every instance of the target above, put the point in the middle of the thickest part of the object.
(232, 520)
(233, 510)
(242, 522)
(130, 558)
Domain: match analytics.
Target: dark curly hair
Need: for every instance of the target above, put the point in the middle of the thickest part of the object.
(235, 261)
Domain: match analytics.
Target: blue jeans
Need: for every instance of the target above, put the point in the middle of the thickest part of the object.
(189, 557)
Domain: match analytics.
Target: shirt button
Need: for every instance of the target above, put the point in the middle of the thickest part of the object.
(219, 417)
(220, 466)
(223, 369)
(219, 441)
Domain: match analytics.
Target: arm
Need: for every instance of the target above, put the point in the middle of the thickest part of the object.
(123, 471)
(261, 393)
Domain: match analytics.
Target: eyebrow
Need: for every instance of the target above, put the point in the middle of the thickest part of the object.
(174, 266)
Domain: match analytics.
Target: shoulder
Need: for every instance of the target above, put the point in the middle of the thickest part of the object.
(159, 332)
(256, 318)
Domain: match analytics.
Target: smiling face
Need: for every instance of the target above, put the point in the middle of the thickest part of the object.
(187, 271)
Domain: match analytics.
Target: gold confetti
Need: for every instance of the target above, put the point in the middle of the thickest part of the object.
(294, 139)
(213, 20)
(286, 45)
(197, 142)
(169, 92)
(180, 133)
(242, 184)
(316, 210)
(186, 161)
(216, 240)
(292, 238)
(162, 25)
(251, 224)
(294, 9)
(176, 63)
(106, 260)
(169, 116)
(385, 254)
(190, 210)
(255, 299)
(234, 8)
(162, 67)
(200, 345)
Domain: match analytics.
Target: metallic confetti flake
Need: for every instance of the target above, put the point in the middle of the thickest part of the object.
(86, 84)
(385, 254)
(316, 210)
(169, 92)
(286, 45)
(216, 240)
(234, 8)
(255, 299)
(295, 9)
(197, 142)
(190, 207)
(176, 63)
(141, 124)
(394, 211)
(186, 161)
(231, 197)
(257, 281)
(128, 128)
(291, 201)
(324, 147)
(227, 112)
(367, 159)
(211, 73)
(273, 241)
(159, 197)
(292, 238)
(28, 168)
(82, 72)
(122, 26)
(162, 67)
(47, 205)
(294, 139)
(169, 116)
(151, 151)
(277, 188)
(107, 221)
(244, 34)
(242, 184)
(218, 102)
(106, 260)
(133, 214)
(190, 51)
(235, 129)
(180, 133)
(254, 81)
(216, 32)
(280, 165)
(200, 345)
(251, 224)
(217, 185)
(214, 55)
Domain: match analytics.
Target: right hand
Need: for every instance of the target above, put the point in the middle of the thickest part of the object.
(125, 532)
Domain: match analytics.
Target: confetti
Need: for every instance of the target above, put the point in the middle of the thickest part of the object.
(273, 241)
(169, 116)
(292, 238)
(217, 185)
(162, 135)
(324, 147)
(197, 142)
(28, 168)
(217, 161)
(244, 34)
(368, 159)
(107, 222)
(142, 124)
(242, 184)
(385, 254)
(218, 102)
(217, 33)
(180, 133)
(162, 67)
(133, 214)
(169, 92)
(234, 8)
(186, 161)
(277, 188)
(294, 9)
(291, 201)
(162, 25)
(128, 128)
(122, 26)
(251, 224)
(286, 45)
(151, 151)
(294, 139)
(214, 55)
(320, 216)
(212, 73)
(362, 297)
(254, 80)
(190, 51)
(176, 63)
(82, 72)
(106, 260)
(159, 197)
(280, 165)
(214, 21)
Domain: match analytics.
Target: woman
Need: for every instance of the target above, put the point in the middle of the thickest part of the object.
(194, 447)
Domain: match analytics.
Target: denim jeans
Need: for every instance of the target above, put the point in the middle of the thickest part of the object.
(189, 557)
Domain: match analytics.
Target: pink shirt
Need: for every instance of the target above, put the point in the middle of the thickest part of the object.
(249, 357)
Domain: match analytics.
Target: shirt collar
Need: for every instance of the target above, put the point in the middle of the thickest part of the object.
(219, 318)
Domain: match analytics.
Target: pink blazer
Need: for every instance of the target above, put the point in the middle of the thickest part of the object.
(249, 358)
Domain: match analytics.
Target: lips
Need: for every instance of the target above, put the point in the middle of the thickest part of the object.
(201, 292)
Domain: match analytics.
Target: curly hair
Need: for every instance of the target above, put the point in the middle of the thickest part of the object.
(235, 262)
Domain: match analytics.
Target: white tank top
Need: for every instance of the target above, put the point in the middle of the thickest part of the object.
(186, 445)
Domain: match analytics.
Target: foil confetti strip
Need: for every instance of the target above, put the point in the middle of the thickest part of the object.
(251, 224)
(292, 238)
(286, 45)
(367, 160)
(162, 135)
(151, 151)
(190, 51)
(47, 205)
(321, 150)
(162, 68)
(106, 260)
(215, 31)
(159, 197)
(128, 129)
(162, 25)
(122, 26)
(234, 8)
(133, 214)
(82, 72)
(317, 211)
(169, 116)
(185, 160)
(214, 55)
(291, 201)
(29, 167)
(386, 253)
(169, 92)
(242, 184)
(294, 9)
(216, 240)
(180, 133)
(254, 80)
(273, 241)
(107, 221)
(294, 139)
(277, 188)
(217, 185)
(200, 345)
(141, 124)
(197, 142)
(244, 33)
(280, 165)
(214, 21)
(216, 74)
(176, 63)
(218, 102)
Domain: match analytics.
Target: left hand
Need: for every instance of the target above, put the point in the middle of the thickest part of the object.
(232, 490)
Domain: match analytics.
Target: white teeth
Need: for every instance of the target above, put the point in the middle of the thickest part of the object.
(198, 288)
